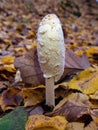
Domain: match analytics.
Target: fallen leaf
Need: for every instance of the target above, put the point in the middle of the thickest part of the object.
(8, 42)
(94, 96)
(92, 50)
(10, 99)
(94, 112)
(8, 59)
(75, 126)
(86, 81)
(96, 120)
(91, 126)
(2, 86)
(9, 68)
(41, 122)
(33, 96)
(15, 120)
(74, 61)
(75, 108)
(35, 110)
(31, 71)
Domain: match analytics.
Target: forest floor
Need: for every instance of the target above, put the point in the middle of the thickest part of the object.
(77, 91)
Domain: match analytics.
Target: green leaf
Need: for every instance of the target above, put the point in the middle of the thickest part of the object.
(15, 120)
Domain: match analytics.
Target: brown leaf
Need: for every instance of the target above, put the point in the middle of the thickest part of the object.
(91, 126)
(10, 99)
(35, 110)
(2, 86)
(74, 61)
(74, 108)
(33, 96)
(31, 72)
(94, 96)
(94, 113)
(29, 68)
(75, 126)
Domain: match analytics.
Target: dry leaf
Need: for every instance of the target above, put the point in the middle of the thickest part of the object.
(9, 68)
(2, 86)
(35, 110)
(10, 99)
(94, 112)
(86, 81)
(91, 126)
(8, 59)
(75, 126)
(74, 61)
(75, 107)
(33, 96)
(31, 72)
(96, 120)
(94, 96)
(30, 69)
(41, 122)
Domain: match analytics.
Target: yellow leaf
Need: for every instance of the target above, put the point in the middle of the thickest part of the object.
(20, 49)
(4, 76)
(8, 42)
(34, 45)
(96, 120)
(33, 96)
(94, 96)
(92, 50)
(79, 52)
(31, 35)
(9, 68)
(7, 59)
(86, 81)
(41, 122)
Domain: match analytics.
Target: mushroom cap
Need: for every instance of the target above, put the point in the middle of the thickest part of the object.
(50, 47)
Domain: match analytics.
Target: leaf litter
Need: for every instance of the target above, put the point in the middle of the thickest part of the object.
(76, 92)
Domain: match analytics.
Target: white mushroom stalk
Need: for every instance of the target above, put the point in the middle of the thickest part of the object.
(51, 53)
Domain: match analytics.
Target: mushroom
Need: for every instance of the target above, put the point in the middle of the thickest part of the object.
(51, 53)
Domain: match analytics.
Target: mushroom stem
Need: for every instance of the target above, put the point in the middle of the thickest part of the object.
(50, 95)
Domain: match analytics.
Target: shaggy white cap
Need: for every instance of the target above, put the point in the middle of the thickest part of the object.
(51, 48)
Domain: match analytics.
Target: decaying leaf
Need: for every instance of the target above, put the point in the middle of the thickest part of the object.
(75, 126)
(36, 110)
(41, 122)
(31, 72)
(96, 120)
(7, 64)
(74, 61)
(2, 86)
(94, 96)
(81, 126)
(30, 69)
(9, 68)
(75, 107)
(33, 96)
(7, 59)
(10, 99)
(94, 113)
(91, 126)
(86, 81)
